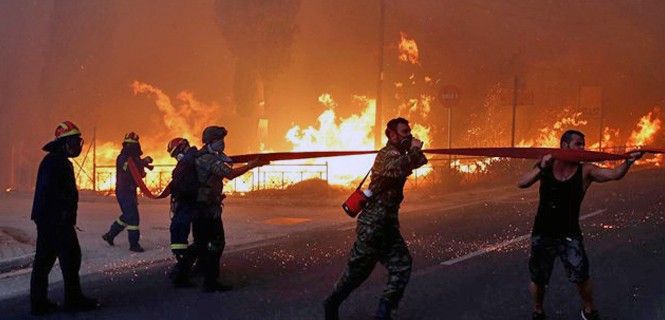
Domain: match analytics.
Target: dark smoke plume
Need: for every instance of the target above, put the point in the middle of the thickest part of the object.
(260, 34)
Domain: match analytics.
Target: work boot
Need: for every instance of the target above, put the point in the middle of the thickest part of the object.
(385, 311)
(81, 304)
(43, 308)
(108, 238)
(331, 308)
(136, 248)
(216, 287)
(181, 270)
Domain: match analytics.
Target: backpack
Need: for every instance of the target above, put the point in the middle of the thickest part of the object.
(185, 183)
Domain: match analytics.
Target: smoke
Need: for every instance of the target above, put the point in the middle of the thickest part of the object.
(185, 119)
(260, 35)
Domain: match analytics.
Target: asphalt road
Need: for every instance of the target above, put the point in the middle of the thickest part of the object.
(287, 279)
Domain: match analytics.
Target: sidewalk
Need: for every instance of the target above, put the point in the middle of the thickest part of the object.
(246, 225)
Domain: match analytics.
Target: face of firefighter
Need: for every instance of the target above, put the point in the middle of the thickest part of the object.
(179, 152)
(402, 136)
(217, 146)
(73, 146)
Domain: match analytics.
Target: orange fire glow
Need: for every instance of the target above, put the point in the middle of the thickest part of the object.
(645, 133)
(408, 49)
(352, 133)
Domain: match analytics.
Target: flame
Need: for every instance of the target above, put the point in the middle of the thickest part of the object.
(420, 107)
(646, 129)
(608, 140)
(352, 133)
(550, 136)
(645, 133)
(408, 49)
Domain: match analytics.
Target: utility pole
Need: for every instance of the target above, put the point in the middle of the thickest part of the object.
(512, 132)
(600, 136)
(12, 174)
(450, 126)
(94, 159)
(378, 121)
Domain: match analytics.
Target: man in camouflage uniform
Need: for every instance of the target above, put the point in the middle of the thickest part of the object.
(212, 167)
(378, 235)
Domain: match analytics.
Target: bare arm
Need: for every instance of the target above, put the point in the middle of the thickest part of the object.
(529, 178)
(533, 175)
(598, 174)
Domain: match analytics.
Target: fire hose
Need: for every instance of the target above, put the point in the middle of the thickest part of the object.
(568, 155)
(136, 175)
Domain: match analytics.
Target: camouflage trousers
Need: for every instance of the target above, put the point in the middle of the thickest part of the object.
(374, 244)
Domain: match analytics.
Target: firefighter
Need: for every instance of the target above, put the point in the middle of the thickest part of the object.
(54, 212)
(378, 233)
(125, 190)
(184, 188)
(212, 166)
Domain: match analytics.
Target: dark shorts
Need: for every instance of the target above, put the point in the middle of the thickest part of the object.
(570, 251)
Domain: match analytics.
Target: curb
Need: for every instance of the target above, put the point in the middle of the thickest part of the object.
(19, 262)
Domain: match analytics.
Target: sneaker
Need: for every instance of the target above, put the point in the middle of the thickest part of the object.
(593, 315)
(216, 287)
(44, 308)
(107, 237)
(538, 316)
(82, 304)
(136, 248)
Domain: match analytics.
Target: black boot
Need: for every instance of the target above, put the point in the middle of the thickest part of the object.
(180, 273)
(108, 238)
(331, 308)
(136, 248)
(43, 308)
(385, 311)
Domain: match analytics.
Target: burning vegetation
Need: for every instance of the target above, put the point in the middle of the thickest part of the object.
(185, 116)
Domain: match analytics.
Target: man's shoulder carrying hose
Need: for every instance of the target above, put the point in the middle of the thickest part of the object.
(515, 153)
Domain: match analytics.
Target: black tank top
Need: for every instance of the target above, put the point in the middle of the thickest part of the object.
(559, 207)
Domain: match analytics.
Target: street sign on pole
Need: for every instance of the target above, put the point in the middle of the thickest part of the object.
(449, 96)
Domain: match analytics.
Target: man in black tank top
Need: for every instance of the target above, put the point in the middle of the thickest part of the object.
(556, 230)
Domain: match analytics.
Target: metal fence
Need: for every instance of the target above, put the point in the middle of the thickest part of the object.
(274, 176)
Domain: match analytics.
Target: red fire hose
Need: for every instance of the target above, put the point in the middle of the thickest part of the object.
(136, 175)
(517, 153)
